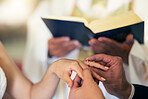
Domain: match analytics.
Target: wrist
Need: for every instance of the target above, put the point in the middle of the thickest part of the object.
(126, 91)
(125, 56)
(51, 69)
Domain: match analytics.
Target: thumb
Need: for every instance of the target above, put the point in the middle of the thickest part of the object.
(129, 39)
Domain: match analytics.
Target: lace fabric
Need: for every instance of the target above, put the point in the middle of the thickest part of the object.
(3, 83)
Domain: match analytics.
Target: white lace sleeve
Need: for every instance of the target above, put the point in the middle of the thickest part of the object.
(3, 83)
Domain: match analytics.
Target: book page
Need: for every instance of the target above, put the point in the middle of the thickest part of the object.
(68, 18)
(114, 22)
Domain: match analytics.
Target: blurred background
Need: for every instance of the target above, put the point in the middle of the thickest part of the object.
(14, 15)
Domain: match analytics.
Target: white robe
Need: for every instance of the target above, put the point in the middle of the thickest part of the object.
(36, 60)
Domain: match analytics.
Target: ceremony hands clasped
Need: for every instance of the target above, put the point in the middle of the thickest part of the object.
(60, 69)
(93, 69)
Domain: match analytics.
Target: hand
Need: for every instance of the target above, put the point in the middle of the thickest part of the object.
(63, 69)
(88, 90)
(115, 83)
(108, 46)
(61, 46)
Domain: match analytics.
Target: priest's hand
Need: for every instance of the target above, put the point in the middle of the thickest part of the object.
(105, 45)
(61, 46)
(115, 83)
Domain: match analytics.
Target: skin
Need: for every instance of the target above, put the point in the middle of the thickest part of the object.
(108, 46)
(61, 46)
(89, 89)
(16, 81)
(115, 83)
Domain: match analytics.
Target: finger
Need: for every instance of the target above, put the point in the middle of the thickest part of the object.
(82, 64)
(69, 46)
(95, 75)
(72, 43)
(77, 68)
(129, 39)
(87, 75)
(107, 41)
(96, 80)
(66, 48)
(58, 52)
(97, 65)
(68, 80)
(54, 43)
(93, 58)
(102, 63)
(100, 43)
(92, 41)
(77, 81)
(58, 40)
(99, 72)
(56, 49)
(101, 57)
(97, 46)
(111, 43)
(100, 48)
(62, 50)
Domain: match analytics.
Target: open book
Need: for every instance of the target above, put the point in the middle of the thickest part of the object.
(114, 27)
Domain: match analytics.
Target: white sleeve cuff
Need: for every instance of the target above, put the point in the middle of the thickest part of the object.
(132, 92)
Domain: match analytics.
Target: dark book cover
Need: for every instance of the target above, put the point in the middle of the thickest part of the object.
(78, 31)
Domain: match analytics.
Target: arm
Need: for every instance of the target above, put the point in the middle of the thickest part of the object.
(16, 82)
(15, 79)
(46, 87)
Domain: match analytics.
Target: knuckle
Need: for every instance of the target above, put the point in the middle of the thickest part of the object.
(50, 40)
(118, 58)
(74, 63)
(78, 60)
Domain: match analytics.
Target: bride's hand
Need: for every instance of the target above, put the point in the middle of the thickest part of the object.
(63, 69)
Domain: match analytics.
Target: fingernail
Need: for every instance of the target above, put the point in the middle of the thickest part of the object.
(87, 59)
(77, 44)
(103, 79)
(67, 39)
(100, 39)
(93, 43)
(107, 67)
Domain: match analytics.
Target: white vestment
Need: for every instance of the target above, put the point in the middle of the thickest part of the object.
(36, 60)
